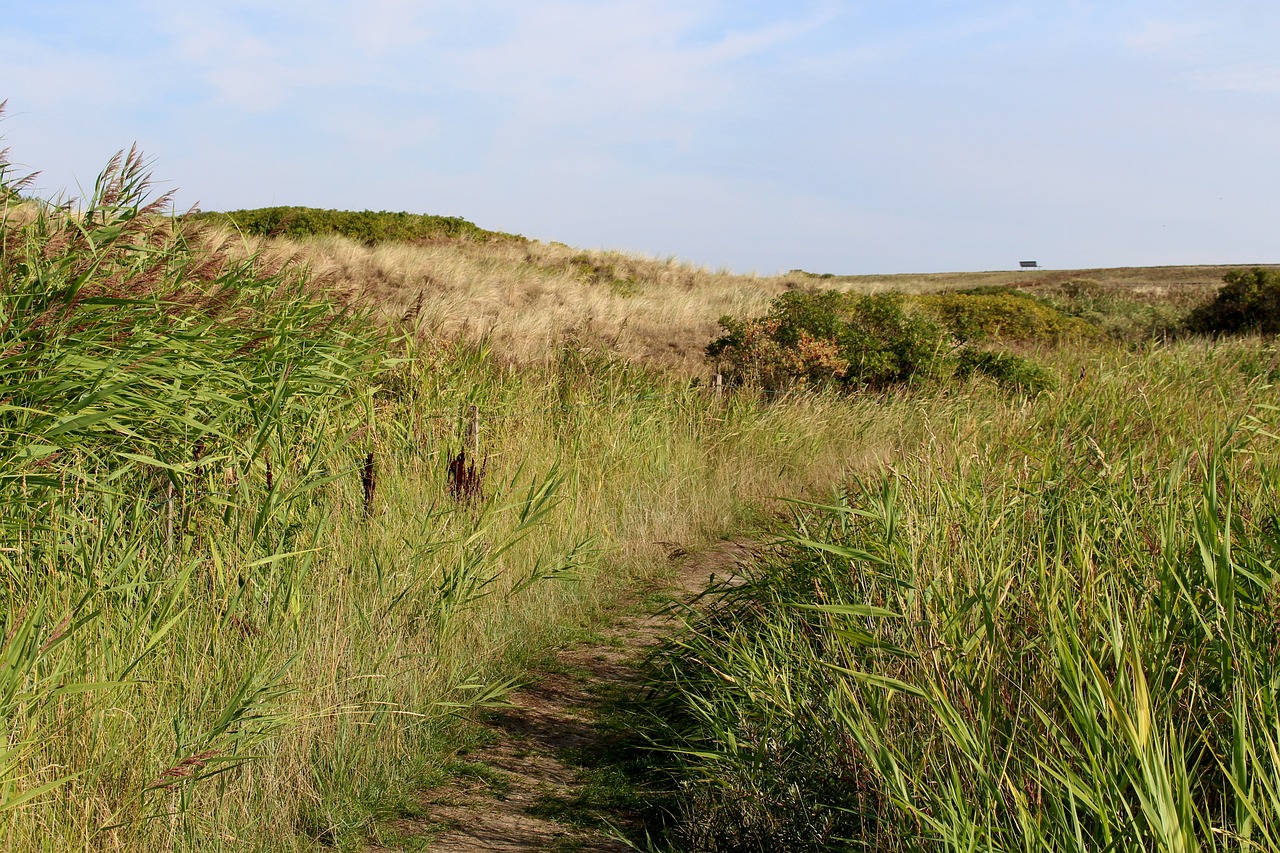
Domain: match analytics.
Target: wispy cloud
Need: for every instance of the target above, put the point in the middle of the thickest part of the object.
(633, 55)
(1168, 35)
(1261, 78)
(1205, 52)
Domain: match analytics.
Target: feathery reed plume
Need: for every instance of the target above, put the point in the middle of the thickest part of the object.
(183, 770)
(58, 633)
(411, 316)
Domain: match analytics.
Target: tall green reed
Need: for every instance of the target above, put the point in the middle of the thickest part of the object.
(147, 382)
(254, 656)
(1062, 639)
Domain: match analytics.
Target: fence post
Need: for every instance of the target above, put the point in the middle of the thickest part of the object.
(718, 384)
(473, 432)
(171, 495)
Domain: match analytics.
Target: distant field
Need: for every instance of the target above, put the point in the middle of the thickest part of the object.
(1158, 282)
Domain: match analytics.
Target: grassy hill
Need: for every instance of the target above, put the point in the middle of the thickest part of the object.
(521, 296)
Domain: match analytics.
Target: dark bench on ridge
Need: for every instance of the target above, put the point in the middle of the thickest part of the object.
(1029, 265)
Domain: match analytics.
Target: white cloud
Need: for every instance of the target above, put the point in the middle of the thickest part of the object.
(571, 60)
(1252, 78)
(1168, 35)
(621, 56)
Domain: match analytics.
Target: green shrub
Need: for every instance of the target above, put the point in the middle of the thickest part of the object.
(367, 226)
(828, 337)
(1249, 301)
(1002, 315)
(887, 342)
(1012, 371)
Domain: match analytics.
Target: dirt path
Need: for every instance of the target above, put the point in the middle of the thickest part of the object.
(521, 787)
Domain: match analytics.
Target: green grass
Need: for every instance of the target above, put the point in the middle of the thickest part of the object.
(497, 782)
(1050, 627)
(1018, 622)
(211, 640)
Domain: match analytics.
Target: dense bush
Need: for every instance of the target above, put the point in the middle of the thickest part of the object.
(1249, 301)
(829, 337)
(367, 226)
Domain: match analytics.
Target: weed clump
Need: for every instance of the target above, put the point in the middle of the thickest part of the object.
(1011, 371)
(1130, 314)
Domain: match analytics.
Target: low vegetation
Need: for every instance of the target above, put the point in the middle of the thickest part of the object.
(366, 226)
(1053, 628)
(243, 605)
(1049, 626)
(522, 297)
(833, 339)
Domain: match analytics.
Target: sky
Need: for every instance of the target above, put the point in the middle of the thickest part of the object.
(826, 135)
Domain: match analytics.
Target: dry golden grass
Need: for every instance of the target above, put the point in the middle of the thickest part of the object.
(524, 297)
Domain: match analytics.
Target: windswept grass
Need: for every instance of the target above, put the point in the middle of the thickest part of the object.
(212, 637)
(1051, 626)
(241, 609)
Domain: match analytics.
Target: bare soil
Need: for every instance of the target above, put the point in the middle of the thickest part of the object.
(500, 803)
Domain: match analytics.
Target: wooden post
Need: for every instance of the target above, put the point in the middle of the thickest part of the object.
(170, 496)
(465, 476)
(718, 384)
(473, 432)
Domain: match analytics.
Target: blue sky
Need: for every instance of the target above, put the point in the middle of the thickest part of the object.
(849, 137)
